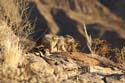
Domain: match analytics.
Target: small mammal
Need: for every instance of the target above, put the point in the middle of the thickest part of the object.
(59, 43)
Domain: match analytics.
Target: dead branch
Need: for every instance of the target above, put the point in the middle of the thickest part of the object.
(81, 11)
(45, 12)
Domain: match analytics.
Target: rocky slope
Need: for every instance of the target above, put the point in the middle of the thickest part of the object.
(58, 68)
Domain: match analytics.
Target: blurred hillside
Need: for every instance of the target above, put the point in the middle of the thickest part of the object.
(115, 6)
(68, 17)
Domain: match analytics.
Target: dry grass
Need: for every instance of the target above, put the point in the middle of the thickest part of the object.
(10, 11)
(12, 53)
(16, 14)
(6, 32)
(11, 50)
(88, 39)
(14, 24)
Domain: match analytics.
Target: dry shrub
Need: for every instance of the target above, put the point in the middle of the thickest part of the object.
(15, 13)
(102, 48)
(118, 56)
(14, 24)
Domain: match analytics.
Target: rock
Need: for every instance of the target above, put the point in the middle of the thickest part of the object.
(104, 70)
(60, 69)
(41, 66)
(64, 67)
(115, 78)
(85, 78)
(82, 57)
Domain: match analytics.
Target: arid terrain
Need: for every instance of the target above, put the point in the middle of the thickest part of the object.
(62, 41)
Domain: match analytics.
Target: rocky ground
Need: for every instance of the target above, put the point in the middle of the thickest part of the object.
(61, 68)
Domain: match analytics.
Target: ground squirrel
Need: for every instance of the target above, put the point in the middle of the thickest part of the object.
(59, 43)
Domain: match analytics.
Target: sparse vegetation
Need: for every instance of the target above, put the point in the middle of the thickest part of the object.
(123, 55)
(101, 47)
(12, 53)
(29, 57)
(15, 14)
